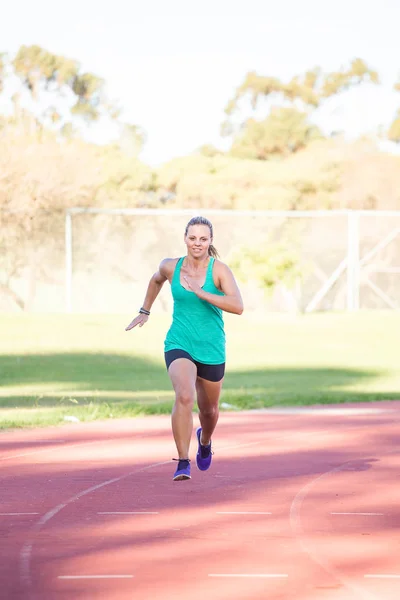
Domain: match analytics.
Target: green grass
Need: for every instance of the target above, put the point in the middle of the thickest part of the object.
(53, 366)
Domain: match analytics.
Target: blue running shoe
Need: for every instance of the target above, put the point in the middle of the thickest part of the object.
(183, 470)
(204, 454)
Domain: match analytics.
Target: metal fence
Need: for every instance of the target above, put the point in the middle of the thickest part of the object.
(344, 260)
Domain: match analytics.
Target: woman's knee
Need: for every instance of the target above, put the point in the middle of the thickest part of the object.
(210, 411)
(185, 398)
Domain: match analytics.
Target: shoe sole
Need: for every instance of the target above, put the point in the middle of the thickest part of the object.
(181, 477)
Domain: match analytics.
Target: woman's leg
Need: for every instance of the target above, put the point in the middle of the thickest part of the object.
(208, 393)
(183, 375)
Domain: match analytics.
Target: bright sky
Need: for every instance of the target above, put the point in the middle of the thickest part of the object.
(174, 64)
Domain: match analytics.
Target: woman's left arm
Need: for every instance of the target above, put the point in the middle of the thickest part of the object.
(232, 301)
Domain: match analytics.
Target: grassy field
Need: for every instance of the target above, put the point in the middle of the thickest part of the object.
(88, 367)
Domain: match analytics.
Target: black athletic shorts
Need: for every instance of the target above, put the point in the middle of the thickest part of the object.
(209, 372)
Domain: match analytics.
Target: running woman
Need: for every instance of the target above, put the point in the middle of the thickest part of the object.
(202, 288)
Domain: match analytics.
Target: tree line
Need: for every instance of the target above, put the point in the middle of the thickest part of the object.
(277, 159)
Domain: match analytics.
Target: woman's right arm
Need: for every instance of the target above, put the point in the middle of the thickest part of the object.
(153, 289)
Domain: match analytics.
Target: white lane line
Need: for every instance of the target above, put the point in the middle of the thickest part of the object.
(359, 513)
(137, 512)
(95, 576)
(382, 576)
(25, 556)
(296, 524)
(243, 512)
(14, 514)
(262, 575)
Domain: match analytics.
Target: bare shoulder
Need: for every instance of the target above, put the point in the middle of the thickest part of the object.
(167, 267)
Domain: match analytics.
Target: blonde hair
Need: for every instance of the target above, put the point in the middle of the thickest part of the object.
(212, 251)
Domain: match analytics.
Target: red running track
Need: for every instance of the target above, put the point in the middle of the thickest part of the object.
(300, 505)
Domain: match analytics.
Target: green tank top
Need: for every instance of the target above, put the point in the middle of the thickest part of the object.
(197, 326)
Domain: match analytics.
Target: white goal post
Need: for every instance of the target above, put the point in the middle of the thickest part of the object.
(351, 264)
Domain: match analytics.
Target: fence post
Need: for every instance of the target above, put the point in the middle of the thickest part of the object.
(353, 261)
(68, 262)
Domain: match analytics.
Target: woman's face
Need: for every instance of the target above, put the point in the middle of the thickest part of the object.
(198, 240)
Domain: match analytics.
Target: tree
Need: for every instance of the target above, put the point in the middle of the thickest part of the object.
(2, 70)
(39, 178)
(209, 150)
(283, 132)
(54, 90)
(394, 129)
(51, 91)
(46, 166)
(276, 267)
(289, 128)
(132, 139)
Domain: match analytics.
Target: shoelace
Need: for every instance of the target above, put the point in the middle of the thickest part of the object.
(205, 451)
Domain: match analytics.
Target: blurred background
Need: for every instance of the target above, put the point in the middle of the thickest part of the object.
(120, 121)
(230, 106)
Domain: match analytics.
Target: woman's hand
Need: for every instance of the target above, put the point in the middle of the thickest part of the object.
(140, 320)
(231, 301)
(193, 285)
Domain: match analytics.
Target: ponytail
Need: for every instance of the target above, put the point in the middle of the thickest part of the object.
(212, 251)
